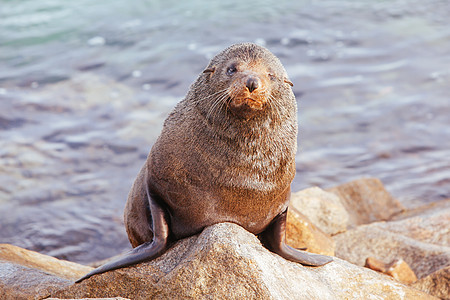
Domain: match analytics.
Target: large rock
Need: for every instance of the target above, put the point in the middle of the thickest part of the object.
(227, 262)
(115, 298)
(397, 268)
(366, 200)
(26, 274)
(420, 238)
(324, 209)
(19, 282)
(45, 263)
(436, 284)
(302, 233)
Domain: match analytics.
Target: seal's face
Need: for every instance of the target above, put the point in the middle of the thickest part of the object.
(246, 77)
(249, 88)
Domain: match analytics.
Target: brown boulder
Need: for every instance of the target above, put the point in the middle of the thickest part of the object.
(115, 298)
(19, 282)
(436, 284)
(301, 233)
(421, 239)
(429, 223)
(366, 201)
(26, 274)
(45, 263)
(324, 209)
(227, 262)
(398, 269)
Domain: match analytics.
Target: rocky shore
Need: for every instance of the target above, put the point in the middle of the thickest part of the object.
(381, 249)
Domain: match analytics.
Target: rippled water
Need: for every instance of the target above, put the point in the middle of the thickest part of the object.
(85, 87)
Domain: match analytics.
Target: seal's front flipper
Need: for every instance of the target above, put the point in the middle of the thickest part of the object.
(274, 239)
(143, 252)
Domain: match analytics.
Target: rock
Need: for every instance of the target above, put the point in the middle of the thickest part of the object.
(324, 209)
(401, 271)
(301, 233)
(428, 209)
(367, 201)
(429, 223)
(19, 282)
(436, 284)
(26, 274)
(115, 298)
(45, 263)
(398, 269)
(227, 262)
(420, 238)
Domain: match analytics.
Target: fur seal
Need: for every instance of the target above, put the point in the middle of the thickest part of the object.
(226, 153)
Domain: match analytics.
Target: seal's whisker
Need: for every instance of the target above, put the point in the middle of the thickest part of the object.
(207, 97)
(215, 102)
(216, 106)
(274, 107)
(229, 95)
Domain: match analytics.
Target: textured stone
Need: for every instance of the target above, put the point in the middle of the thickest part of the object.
(45, 263)
(26, 274)
(227, 262)
(19, 282)
(436, 284)
(429, 223)
(324, 209)
(398, 269)
(301, 233)
(420, 238)
(115, 298)
(366, 201)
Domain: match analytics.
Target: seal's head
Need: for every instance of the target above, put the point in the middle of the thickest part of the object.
(244, 79)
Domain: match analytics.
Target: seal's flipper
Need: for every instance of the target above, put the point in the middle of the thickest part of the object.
(274, 239)
(145, 251)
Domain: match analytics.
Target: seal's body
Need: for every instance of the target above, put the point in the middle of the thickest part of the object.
(226, 154)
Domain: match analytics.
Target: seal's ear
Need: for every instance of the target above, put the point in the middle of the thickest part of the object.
(210, 71)
(288, 82)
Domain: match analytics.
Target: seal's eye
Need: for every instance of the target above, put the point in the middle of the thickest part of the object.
(231, 70)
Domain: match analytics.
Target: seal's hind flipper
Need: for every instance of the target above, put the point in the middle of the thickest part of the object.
(139, 254)
(146, 251)
(274, 239)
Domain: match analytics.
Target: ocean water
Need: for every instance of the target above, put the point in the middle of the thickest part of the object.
(85, 87)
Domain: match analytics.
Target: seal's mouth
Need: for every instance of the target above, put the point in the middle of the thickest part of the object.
(248, 96)
(245, 107)
(246, 103)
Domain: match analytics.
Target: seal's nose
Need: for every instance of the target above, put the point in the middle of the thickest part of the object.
(252, 84)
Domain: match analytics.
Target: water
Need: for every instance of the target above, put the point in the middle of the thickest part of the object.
(85, 87)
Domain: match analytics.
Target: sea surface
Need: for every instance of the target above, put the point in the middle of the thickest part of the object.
(85, 87)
